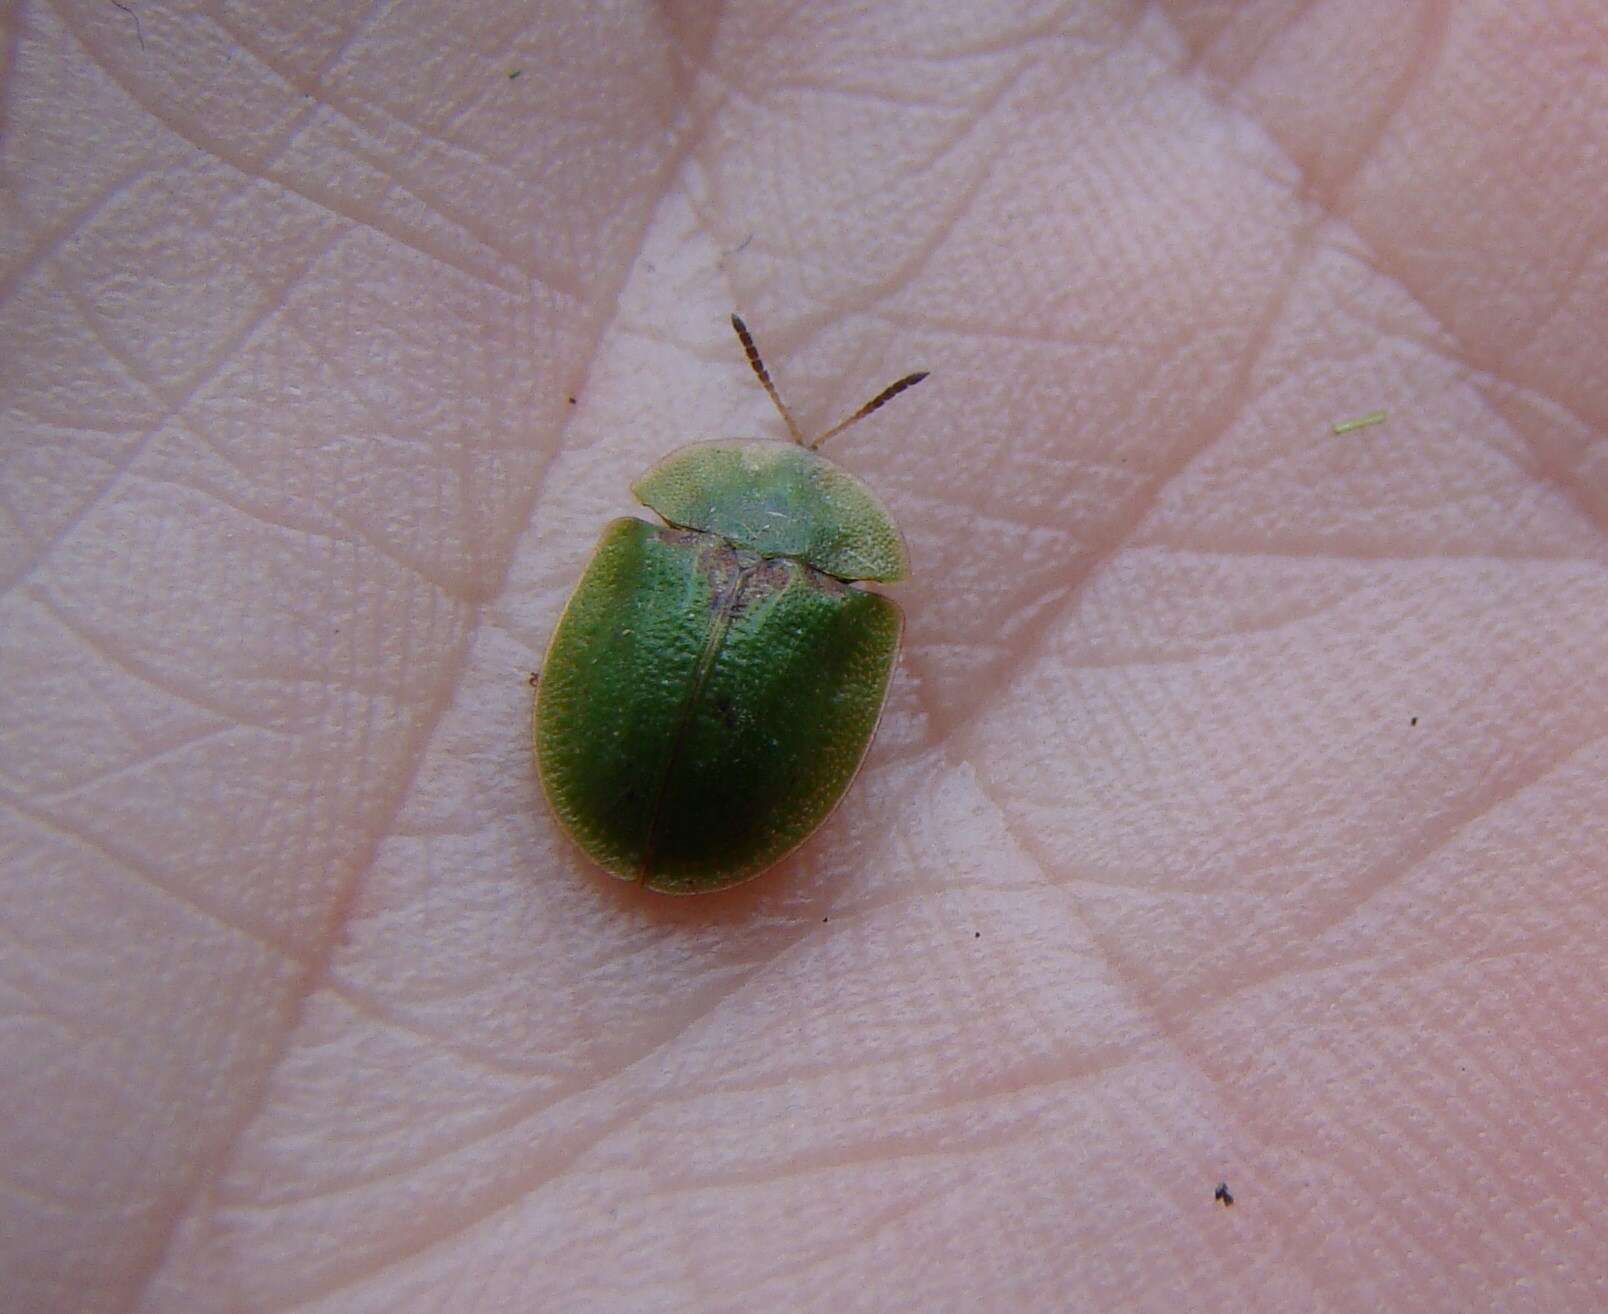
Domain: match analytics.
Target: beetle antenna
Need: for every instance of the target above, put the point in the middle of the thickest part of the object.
(747, 339)
(876, 403)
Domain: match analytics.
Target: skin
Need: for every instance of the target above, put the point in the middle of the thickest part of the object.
(1240, 810)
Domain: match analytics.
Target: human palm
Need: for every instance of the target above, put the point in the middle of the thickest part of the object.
(1238, 814)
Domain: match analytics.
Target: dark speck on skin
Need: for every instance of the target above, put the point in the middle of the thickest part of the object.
(572, 401)
(139, 31)
(1224, 1194)
(1415, 720)
(514, 73)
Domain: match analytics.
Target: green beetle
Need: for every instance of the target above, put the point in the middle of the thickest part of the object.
(713, 683)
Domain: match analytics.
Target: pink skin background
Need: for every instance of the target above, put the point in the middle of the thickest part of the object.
(1241, 806)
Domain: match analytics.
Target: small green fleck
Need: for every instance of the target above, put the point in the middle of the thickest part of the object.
(514, 73)
(1361, 422)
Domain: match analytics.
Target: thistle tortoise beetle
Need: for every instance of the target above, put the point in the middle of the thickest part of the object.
(713, 683)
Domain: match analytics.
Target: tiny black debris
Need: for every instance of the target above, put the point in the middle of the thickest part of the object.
(1415, 720)
(139, 31)
(1224, 1194)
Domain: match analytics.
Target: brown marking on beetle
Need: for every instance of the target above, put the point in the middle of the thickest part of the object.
(738, 578)
(830, 585)
(724, 571)
(683, 537)
(763, 578)
(772, 574)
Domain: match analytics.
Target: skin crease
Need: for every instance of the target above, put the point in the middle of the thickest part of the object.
(1239, 811)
